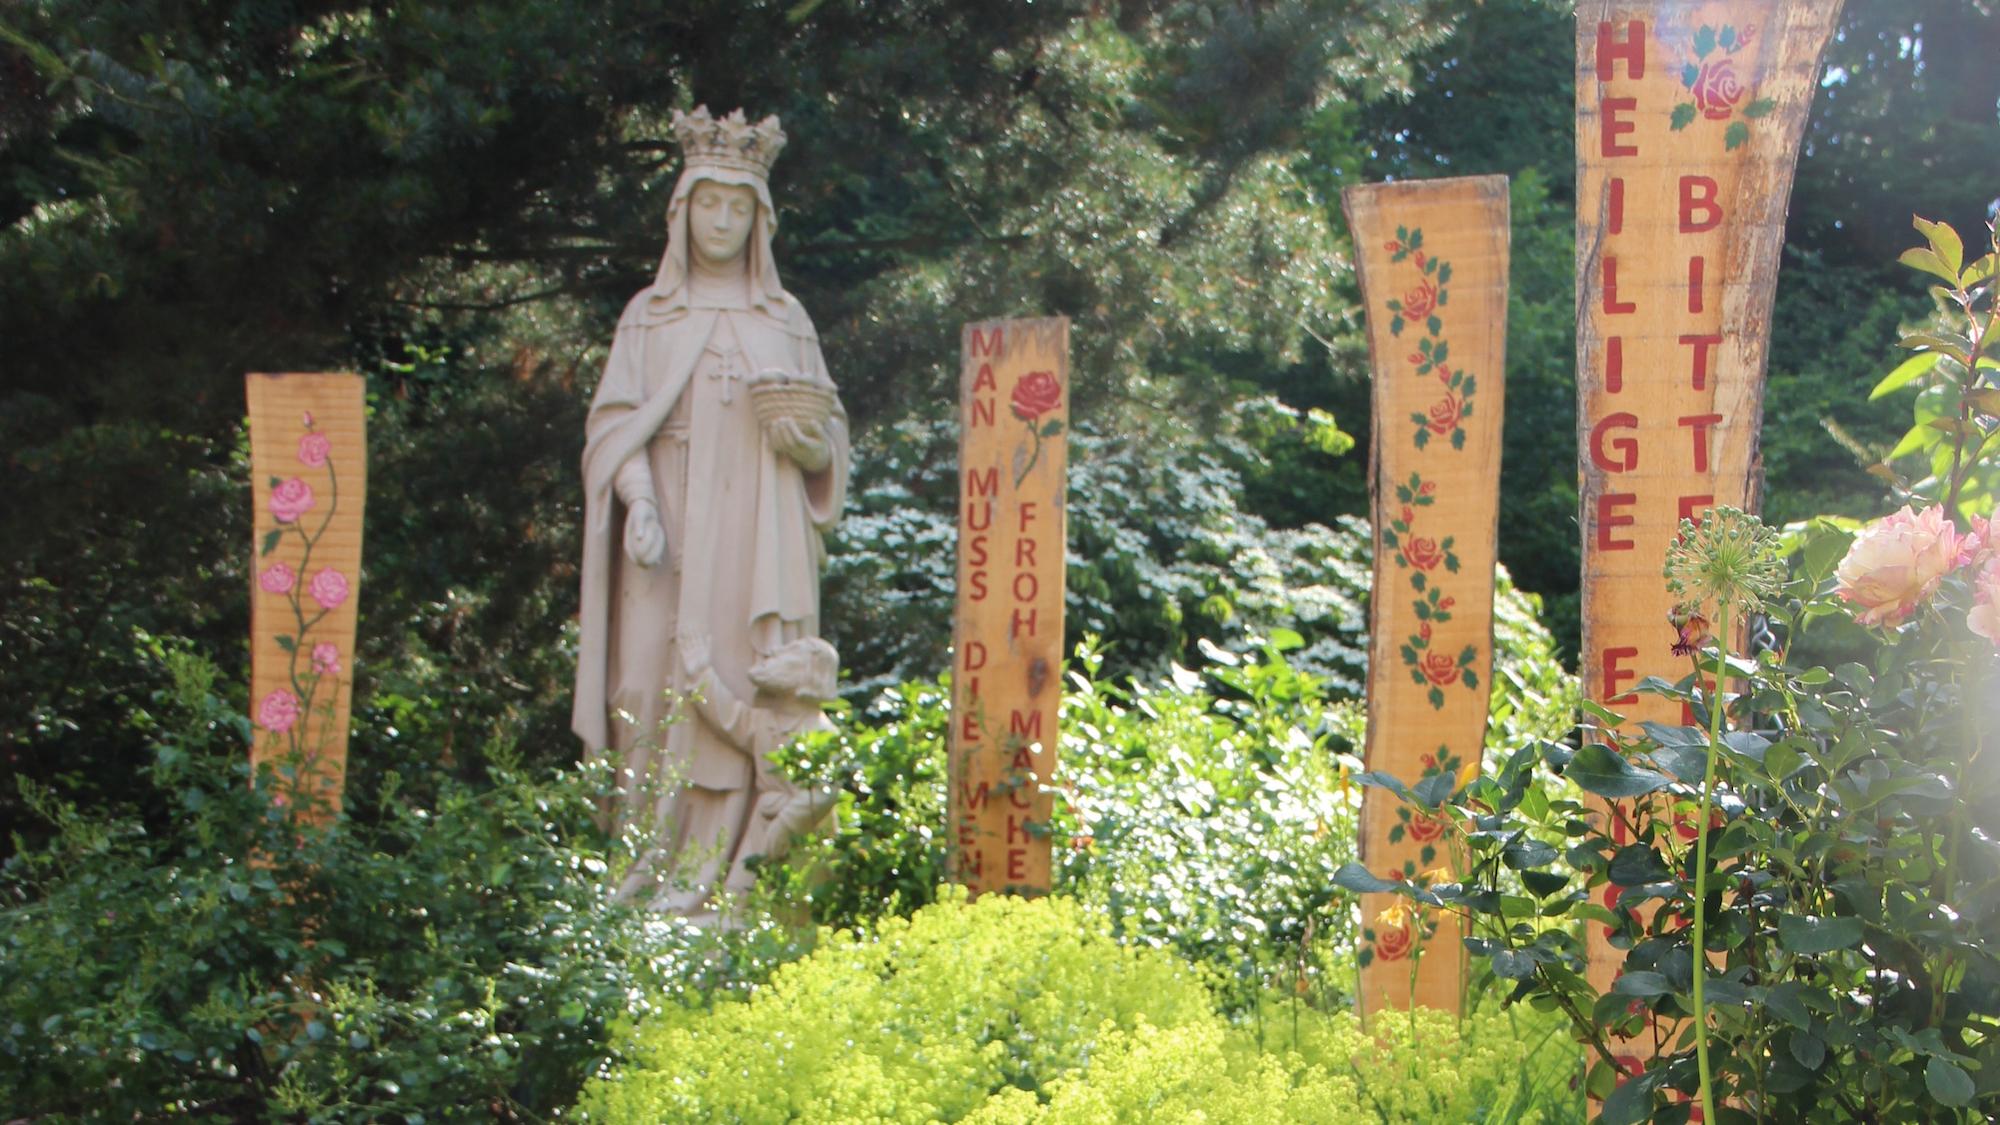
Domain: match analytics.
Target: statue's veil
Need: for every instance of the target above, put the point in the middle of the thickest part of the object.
(669, 294)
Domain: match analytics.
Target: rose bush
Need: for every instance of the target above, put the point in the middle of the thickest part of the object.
(1898, 562)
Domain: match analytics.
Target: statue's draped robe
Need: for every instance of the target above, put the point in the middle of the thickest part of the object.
(743, 526)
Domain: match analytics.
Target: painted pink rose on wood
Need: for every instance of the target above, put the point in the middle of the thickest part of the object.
(1420, 301)
(278, 712)
(329, 588)
(291, 499)
(326, 659)
(313, 450)
(1717, 89)
(1896, 563)
(277, 579)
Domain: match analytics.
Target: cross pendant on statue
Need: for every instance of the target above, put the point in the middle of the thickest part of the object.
(730, 372)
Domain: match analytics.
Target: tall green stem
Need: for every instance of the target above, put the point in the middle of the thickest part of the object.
(1701, 863)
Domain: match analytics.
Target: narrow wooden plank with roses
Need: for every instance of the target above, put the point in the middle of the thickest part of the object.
(1007, 650)
(308, 468)
(1688, 119)
(1432, 258)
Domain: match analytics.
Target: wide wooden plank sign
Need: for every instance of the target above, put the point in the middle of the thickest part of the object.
(1688, 118)
(1432, 258)
(1008, 632)
(308, 477)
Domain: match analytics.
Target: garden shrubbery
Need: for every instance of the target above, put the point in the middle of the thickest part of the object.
(1007, 1010)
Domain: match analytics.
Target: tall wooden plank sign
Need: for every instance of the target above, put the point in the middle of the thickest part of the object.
(308, 465)
(1008, 633)
(1432, 257)
(1688, 118)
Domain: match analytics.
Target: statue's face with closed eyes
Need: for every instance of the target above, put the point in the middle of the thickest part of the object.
(720, 217)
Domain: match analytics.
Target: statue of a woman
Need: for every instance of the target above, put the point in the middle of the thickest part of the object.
(703, 523)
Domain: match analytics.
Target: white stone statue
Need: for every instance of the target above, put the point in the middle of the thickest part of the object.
(715, 458)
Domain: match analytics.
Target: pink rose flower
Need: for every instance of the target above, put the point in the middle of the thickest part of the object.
(1985, 616)
(290, 500)
(1897, 562)
(1717, 89)
(278, 712)
(326, 659)
(277, 579)
(329, 588)
(313, 449)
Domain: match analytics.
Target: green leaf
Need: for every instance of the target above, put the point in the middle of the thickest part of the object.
(286, 642)
(1641, 983)
(1986, 400)
(1806, 934)
(1808, 1049)
(1544, 883)
(1786, 1001)
(1920, 258)
(1704, 41)
(1606, 773)
(1905, 373)
(1601, 713)
(1360, 880)
(1632, 1102)
(271, 541)
(1734, 136)
(1918, 439)
(1949, 1084)
(1528, 853)
(1760, 107)
(1944, 240)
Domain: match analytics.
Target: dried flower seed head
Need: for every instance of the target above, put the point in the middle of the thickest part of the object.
(1729, 559)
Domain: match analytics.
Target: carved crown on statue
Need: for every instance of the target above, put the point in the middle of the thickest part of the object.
(730, 141)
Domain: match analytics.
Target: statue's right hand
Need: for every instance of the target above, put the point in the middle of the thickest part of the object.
(645, 539)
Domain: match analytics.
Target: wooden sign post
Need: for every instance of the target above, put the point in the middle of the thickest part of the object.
(1688, 119)
(1432, 258)
(308, 465)
(1008, 632)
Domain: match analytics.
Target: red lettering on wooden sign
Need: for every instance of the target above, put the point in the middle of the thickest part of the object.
(1609, 518)
(985, 483)
(1614, 364)
(1703, 346)
(1693, 506)
(982, 344)
(1615, 212)
(1612, 128)
(1614, 670)
(1627, 448)
(982, 412)
(1698, 194)
(972, 798)
(1695, 265)
(1024, 552)
(977, 580)
(1700, 423)
(1014, 626)
(1632, 49)
(984, 381)
(1612, 305)
(1025, 723)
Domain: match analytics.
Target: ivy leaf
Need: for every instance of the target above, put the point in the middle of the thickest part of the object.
(1734, 136)
(1760, 107)
(271, 541)
(1605, 772)
(1948, 1083)
(1683, 116)
(1806, 934)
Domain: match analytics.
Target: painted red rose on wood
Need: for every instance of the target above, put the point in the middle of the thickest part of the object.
(1445, 414)
(1424, 554)
(1439, 668)
(1035, 395)
(1394, 944)
(1420, 301)
(1716, 88)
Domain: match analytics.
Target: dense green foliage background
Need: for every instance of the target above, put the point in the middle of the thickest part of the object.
(455, 202)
